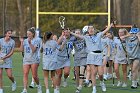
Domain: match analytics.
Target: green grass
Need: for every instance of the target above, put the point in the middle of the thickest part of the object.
(17, 72)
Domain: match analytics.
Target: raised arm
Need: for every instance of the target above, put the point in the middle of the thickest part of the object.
(60, 38)
(21, 44)
(76, 35)
(125, 36)
(108, 28)
(62, 45)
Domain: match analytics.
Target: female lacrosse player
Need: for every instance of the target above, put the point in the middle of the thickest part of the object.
(132, 47)
(31, 59)
(94, 57)
(87, 81)
(63, 57)
(7, 48)
(138, 35)
(105, 55)
(111, 52)
(39, 46)
(80, 59)
(50, 47)
(120, 58)
(55, 37)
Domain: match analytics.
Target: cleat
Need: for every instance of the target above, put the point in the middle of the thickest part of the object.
(14, 86)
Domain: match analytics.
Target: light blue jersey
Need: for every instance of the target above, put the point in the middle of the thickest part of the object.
(80, 48)
(63, 56)
(93, 42)
(6, 48)
(120, 53)
(80, 56)
(104, 45)
(111, 43)
(29, 56)
(39, 45)
(49, 55)
(132, 46)
(66, 51)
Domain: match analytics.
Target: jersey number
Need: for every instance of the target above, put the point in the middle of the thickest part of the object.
(27, 49)
(48, 51)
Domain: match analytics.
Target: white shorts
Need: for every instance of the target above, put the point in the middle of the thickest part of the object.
(80, 61)
(30, 62)
(62, 62)
(49, 65)
(121, 61)
(95, 58)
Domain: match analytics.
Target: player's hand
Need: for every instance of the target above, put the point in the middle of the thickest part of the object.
(3, 58)
(68, 30)
(63, 33)
(21, 39)
(114, 22)
(29, 40)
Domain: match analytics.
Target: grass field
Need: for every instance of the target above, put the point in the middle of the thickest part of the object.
(17, 71)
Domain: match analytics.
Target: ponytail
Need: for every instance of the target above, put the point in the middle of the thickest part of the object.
(47, 36)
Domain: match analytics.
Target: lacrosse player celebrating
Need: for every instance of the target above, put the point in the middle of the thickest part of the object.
(120, 58)
(7, 48)
(39, 46)
(31, 59)
(132, 47)
(111, 53)
(63, 57)
(80, 59)
(50, 47)
(94, 57)
(105, 55)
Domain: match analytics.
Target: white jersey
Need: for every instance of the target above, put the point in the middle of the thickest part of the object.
(29, 56)
(93, 42)
(6, 48)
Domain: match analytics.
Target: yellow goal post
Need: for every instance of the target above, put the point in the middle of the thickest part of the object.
(71, 13)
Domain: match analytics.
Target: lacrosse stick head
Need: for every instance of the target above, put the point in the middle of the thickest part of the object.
(1, 56)
(1, 61)
(62, 22)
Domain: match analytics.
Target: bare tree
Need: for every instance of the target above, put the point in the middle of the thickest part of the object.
(21, 18)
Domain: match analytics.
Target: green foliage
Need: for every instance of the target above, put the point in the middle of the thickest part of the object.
(51, 22)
